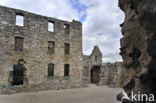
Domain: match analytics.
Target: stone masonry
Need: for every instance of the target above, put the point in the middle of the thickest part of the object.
(34, 57)
(92, 62)
(112, 74)
(94, 71)
(33, 49)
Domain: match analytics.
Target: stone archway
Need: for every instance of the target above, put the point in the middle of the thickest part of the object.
(95, 74)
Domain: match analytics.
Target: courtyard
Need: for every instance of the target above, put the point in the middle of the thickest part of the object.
(92, 94)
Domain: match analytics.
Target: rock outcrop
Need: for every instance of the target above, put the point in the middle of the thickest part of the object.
(138, 45)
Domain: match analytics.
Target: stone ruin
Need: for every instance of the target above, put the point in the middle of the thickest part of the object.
(95, 71)
(42, 53)
(39, 52)
(92, 65)
(138, 45)
(112, 74)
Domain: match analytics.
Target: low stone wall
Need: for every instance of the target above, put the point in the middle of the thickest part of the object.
(63, 83)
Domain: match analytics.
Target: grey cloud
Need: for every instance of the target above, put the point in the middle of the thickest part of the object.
(104, 18)
(61, 9)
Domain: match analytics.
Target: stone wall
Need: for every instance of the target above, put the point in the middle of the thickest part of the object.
(112, 74)
(55, 84)
(138, 45)
(90, 61)
(35, 56)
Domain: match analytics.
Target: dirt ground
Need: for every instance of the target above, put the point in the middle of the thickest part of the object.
(92, 94)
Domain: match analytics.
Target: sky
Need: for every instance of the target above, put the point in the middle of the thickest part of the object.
(100, 18)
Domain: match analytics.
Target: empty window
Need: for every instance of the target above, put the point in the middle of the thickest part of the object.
(96, 57)
(66, 28)
(51, 26)
(18, 44)
(19, 19)
(66, 69)
(50, 70)
(66, 48)
(51, 46)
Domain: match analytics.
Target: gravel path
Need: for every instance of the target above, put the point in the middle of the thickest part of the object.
(92, 94)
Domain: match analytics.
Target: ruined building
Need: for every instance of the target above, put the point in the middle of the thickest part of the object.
(92, 65)
(41, 53)
(39, 50)
(138, 45)
(95, 71)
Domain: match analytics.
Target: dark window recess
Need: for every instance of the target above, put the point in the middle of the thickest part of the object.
(50, 70)
(18, 44)
(66, 48)
(66, 28)
(95, 57)
(66, 69)
(51, 26)
(19, 19)
(51, 46)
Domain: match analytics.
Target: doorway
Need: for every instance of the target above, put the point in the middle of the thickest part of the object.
(18, 74)
(95, 74)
